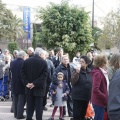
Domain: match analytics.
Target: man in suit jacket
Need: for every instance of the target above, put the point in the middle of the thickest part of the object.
(49, 77)
(18, 89)
(58, 56)
(34, 74)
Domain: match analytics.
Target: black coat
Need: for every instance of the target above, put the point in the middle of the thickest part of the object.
(51, 70)
(53, 59)
(82, 90)
(35, 70)
(16, 83)
(64, 70)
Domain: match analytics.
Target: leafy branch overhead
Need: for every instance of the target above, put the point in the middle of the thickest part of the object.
(65, 26)
(11, 27)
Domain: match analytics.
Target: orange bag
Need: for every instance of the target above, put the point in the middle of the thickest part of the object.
(90, 111)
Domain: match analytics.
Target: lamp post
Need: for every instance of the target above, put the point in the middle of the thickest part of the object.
(93, 14)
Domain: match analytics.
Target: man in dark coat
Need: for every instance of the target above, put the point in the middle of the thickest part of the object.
(49, 77)
(30, 51)
(18, 89)
(58, 57)
(34, 74)
(66, 69)
(52, 57)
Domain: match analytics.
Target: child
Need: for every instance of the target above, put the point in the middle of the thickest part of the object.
(59, 95)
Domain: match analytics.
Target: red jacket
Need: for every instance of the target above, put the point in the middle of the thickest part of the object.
(99, 88)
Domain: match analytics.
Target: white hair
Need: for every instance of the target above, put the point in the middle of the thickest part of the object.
(31, 49)
(40, 51)
(21, 54)
(15, 52)
(6, 50)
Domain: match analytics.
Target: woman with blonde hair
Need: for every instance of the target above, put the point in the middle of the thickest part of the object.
(100, 86)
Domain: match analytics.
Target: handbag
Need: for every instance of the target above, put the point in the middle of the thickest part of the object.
(74, 77)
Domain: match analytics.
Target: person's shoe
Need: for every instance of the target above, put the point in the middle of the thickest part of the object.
(70, 115)
(11, 110)
(61, 118)
(45, 109)
(23, 117)
(51, 119)
(51, 105)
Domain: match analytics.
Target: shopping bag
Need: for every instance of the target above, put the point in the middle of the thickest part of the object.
(90, 112)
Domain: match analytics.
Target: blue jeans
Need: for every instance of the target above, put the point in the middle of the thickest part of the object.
(99, 112)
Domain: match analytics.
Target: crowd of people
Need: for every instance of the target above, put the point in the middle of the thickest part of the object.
(38, 73)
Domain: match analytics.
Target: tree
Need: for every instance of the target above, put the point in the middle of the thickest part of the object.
(10, 26)
(12, 46)
(111, 31)
(16, 28)
(5, 21)
(65, 26)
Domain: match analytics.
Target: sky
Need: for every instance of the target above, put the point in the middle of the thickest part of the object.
(102, 7)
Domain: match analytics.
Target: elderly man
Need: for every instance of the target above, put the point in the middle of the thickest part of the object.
(49, 77)
(18, 89)
(15, 52)
(34, 74)
(30, 51)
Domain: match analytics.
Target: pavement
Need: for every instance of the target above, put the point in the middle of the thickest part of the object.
(5, 113)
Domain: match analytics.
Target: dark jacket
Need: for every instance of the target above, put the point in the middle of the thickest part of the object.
(53, 59)
(34, 70)
(82, 90)
(51, 70)
(114, 97)
(67, 74)
(90, 65)
(99, 88)
(65, 90)
(31, 55)
(57, 61)
(17, 84)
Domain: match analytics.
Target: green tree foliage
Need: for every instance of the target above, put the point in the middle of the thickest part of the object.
(34, 41)
(5, 21)
(10, 26)
(12, 46)
(65, 26)
(111, 31)
(16, 28)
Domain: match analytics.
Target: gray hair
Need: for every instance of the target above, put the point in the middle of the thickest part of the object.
(15, 52)
(21, 54)
(39, 51)
(31, 49)
(6, 50)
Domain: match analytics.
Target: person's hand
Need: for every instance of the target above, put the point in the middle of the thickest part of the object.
(78, 70)
(32, 85)
(65, 94)
(60, 86)
(28, 85)
(54, 93)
